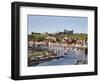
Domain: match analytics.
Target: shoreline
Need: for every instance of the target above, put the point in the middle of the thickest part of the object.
(55, 54)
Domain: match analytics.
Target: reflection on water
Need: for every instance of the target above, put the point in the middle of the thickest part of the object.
(73, 57)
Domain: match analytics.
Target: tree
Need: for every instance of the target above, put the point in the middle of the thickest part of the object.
(65, 31)
(32, 32)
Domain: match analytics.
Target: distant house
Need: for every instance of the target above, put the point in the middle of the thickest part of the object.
(45, 33)
(82, 33)
(66, 32)
(35, 33)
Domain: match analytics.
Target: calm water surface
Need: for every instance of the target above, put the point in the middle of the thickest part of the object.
(69, 59)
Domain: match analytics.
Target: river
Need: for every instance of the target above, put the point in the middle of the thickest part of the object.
(74, 57)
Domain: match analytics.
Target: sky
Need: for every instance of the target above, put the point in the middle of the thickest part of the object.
(51, 24)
